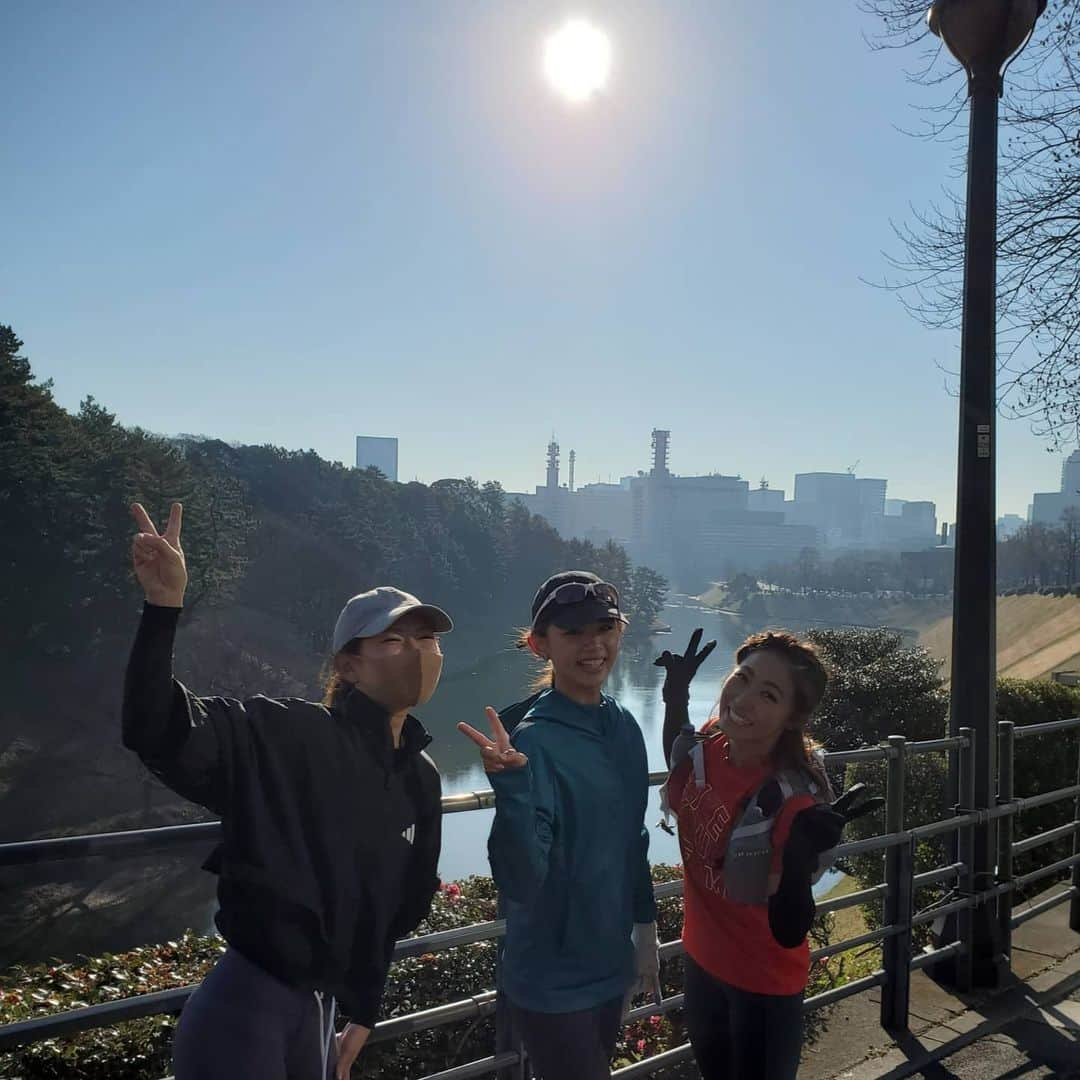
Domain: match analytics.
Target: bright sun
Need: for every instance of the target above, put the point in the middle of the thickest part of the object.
(577, 60)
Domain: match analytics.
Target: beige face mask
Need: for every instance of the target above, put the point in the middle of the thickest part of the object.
(430, 673)
(408, 680)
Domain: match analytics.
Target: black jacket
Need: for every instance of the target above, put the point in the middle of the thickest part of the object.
(330, 835)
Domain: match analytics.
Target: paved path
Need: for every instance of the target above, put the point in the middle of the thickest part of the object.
(1029, 1029)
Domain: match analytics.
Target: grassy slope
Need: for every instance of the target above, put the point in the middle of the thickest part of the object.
(1036, 635)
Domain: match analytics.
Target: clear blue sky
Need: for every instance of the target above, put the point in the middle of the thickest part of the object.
(295, 223)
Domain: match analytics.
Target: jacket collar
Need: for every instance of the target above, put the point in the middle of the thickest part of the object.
(373, 722)
(554, 705)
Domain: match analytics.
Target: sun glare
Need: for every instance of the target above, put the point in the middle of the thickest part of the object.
(577, 61)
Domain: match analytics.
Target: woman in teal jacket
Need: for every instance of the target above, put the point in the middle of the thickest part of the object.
(568, 848)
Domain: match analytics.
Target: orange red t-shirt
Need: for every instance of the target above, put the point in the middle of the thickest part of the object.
(731, 941)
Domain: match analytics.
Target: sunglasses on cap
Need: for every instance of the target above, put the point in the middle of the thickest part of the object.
(574, 592)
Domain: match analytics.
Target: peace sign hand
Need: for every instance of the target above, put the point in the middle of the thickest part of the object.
(682, 669)
(496, 753)
(158, 559)
(820, 827)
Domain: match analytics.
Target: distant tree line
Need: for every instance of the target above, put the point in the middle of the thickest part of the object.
(276, 541)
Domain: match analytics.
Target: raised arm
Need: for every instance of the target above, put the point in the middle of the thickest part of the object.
(680, 671)
(174, 733)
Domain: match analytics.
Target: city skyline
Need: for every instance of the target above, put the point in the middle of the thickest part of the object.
(415, 234)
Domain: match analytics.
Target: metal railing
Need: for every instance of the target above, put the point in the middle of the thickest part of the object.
(896, 893)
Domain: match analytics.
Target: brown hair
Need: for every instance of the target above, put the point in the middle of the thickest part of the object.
(336, 687)
(544, 674)
(795, 749)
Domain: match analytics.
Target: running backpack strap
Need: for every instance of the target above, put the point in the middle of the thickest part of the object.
(749, 857)
(682, 748)
(800, 782)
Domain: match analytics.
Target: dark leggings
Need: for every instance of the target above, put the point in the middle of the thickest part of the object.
(573, 1045)
(737, 1035)
(243, 1022)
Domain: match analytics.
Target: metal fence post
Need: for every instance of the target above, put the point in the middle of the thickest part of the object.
(1006, 750)
(966, 847)
(1074, 904)
(899, 875)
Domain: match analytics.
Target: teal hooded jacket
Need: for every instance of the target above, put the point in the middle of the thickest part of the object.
(569, 854)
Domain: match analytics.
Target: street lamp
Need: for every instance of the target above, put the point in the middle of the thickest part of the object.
(984, 35)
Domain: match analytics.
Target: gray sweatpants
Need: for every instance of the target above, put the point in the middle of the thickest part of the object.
(243, 1022)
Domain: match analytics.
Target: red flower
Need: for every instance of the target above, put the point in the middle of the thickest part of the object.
(641, 1046)
(453, 890)
(655, 1021)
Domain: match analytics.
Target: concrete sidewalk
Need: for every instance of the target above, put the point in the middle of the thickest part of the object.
(1030, 1028)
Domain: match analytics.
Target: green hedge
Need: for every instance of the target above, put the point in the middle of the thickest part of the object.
(1041, 763)
(139, 1049)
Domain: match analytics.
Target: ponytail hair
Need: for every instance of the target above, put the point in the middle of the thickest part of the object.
(543, 677)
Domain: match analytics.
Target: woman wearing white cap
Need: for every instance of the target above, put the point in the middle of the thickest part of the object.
(330, 817)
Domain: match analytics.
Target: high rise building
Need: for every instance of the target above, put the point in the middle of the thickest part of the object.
(1048, 506)
(373, 451)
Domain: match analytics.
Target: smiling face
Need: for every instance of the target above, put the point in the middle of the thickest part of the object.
(398, 668)
(757, 704)
(582, 657)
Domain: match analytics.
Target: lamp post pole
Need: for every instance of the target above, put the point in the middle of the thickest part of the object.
(974, 640)
(983, 35)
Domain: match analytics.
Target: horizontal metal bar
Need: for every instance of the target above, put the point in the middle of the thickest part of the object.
(466, 801)
(1043, 906)
(942, 873)
(449, 939)
(670, 949)
(935, 956)
(855, 942)
(653, 1064)
(849, 757)
(1047, 797)
(946, 909)
(482, 1067)
(877, 892)
(974, 900)
(668, 889)
(115, 844)
(864, 896)
(1023, 731)
(480, 1005)
(1062, 832)
(933, 746)
(935, 828)
(39, 1028)
(1046, 871)
(871, 843)
(655, 1008)
(838, 993)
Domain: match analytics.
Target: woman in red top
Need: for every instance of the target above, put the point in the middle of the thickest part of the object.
(747, 963)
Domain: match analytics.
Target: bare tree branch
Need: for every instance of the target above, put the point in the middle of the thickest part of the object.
(1038, 214)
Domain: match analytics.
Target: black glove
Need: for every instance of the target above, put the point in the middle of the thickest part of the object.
(819, 828)
(682, 669)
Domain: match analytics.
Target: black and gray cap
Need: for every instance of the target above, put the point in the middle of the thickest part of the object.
(370, 613)
(574, 598)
